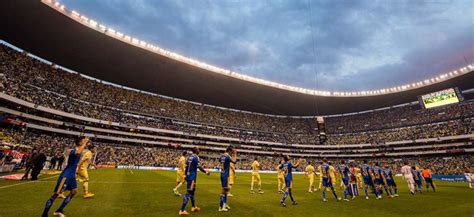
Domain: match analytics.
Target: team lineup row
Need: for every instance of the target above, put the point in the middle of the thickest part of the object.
(372, 177)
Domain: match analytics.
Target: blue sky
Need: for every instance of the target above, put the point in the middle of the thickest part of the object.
(337, 45)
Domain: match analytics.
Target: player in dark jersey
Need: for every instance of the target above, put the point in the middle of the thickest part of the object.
(392, 186)
(367, 174)
(192, 165)
(418, 179)
(325, 172)
(225, 161)
(343, 169)
(287, 168)
(67, 179)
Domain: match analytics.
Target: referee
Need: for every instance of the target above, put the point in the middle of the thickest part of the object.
(426, 173)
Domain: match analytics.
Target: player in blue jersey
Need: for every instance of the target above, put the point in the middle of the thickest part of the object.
(367, 174)
(287, 168)
(325, 172)
(380, 172)
(192, 165)
(225, 161)
(391, 185)
(418, 179)
(343, 169)
(67, 179)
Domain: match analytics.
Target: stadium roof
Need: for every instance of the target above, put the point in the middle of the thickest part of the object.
(43, 31)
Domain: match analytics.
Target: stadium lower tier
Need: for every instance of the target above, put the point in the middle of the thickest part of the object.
(124, 153)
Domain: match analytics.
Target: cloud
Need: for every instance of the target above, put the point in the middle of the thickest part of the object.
(331, 45)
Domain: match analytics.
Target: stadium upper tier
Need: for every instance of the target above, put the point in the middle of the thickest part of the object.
(81, 44)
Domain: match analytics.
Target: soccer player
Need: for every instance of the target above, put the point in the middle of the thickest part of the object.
(418, 179)
(344, 171)
(469, 178)
(256, 177)
(325, 172)
(392, 186)
(408, 175)
(309, 171)
(226, 161)
(353, 187)
(287, 168)
(180, 175)
(380, 181)
(232, 172)
(426, 173)
(367, 174)
(332, 174)
(192, 165)
(281, 178)
(82, 174)
(67, 179)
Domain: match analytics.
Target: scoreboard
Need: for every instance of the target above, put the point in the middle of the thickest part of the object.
(440, 98)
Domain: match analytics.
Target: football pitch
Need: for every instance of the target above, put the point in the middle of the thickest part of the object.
(123, 192)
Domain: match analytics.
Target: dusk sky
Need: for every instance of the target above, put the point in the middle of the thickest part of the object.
(336, 45)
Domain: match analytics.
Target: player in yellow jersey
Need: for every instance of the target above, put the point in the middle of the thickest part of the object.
(232, 171)
(309, 172)
(82, 175)
(180, 173)
(358, 176)
(256, 177)
(332, 174)
(281, 178)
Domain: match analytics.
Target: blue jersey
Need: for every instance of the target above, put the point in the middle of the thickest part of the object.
(388, 174)
(344, 170)
(377, 172)
(324, 170)
(365, 170)
(72, 162)
(225, 164)
(192, 165)
(287, 168)
(416, 175)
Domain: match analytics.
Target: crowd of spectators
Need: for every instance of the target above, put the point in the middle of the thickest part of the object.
(43, 84)
(142, 155)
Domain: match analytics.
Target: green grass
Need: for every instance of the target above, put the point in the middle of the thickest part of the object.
(148, 193)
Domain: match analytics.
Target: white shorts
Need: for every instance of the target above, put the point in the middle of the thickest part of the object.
(409, 179)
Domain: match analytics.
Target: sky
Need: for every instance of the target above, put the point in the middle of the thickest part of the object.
(334, 45)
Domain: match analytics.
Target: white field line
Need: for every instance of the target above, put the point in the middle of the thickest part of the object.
(28, 182)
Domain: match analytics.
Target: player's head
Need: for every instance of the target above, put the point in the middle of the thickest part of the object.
(184, 153)
(377, 164)
(309, 162)
(364, 161)
(82, 140)
(329, 162)
(343, 162)
(286, 158)
(413, 168)
(93, 148)
(195, 150)
(387, 166)
(255, 159)
(325, 160)
(228, 149)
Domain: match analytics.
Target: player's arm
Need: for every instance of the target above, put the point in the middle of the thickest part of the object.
(297, 163)
(203, 170)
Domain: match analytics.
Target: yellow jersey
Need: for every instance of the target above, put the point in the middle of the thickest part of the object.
(309, 170)
(255, 167)
(280, 173)
(86, 160)
(181, 164)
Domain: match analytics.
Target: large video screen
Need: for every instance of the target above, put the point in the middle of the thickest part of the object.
(440, 98)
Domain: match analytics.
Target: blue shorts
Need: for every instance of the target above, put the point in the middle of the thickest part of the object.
(327, 182)
(390, 182)
(68, 184)
(418, 182)
(190, 183)
(368, 181)
(288, 183)
(378, 181)
(224, 181)
(345, 181)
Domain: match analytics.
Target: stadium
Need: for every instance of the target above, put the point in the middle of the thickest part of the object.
(98, 122)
